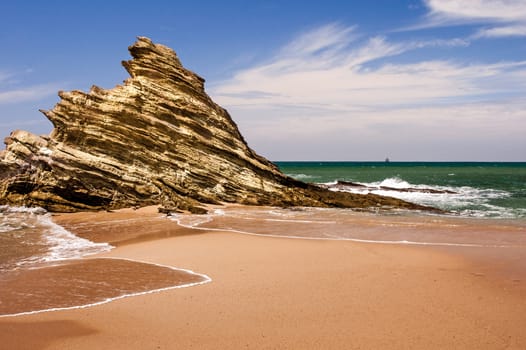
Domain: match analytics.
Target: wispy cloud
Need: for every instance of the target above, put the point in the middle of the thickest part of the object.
(325, 40)
(29, 93)
(499, 32)
(477, 10)
(344, 79)
(506, 17)
(13, 90)
(342, 97)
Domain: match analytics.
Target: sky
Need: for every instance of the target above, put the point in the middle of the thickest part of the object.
(412, 80)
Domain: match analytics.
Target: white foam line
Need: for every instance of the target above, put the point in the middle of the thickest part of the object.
(405, 242)
(118, 221)
(206, 278)
(302, 221)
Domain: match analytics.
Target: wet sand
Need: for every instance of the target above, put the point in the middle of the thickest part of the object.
(281, 293)
(86, 282)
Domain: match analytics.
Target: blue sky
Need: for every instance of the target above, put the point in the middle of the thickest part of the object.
(304, 80)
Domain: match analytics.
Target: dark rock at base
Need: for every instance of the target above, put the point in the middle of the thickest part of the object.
(158, 139)
(342, 185)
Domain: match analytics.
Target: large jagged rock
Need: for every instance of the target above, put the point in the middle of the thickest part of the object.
(156, 139)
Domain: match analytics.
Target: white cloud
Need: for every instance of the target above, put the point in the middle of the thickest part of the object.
(328, 39)
(333, 103)
(344, 80)
(13, 88)
(478, 10)
(30, 93)
(509, 16)
(455, 42)
(504, 31)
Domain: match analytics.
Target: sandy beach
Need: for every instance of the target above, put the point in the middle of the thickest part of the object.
(282, 293)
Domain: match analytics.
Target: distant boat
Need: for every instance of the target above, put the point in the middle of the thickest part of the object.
(387, 160)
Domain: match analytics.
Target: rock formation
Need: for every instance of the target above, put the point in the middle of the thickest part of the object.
(156, 139)
(348, 185)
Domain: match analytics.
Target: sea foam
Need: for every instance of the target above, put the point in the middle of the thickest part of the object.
(65, 245)
(31, 237)
(462, 200)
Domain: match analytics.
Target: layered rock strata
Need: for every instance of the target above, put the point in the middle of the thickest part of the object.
(156, 139)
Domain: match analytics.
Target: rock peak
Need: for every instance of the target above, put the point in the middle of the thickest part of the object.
(157, 62)
(156, 139)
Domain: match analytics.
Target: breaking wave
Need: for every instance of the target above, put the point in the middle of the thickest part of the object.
(462, 200)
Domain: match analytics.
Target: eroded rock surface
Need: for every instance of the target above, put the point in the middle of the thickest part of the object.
(156, 139)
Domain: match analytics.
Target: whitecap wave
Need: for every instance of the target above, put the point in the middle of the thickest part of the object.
(302, 177)
(394, 182)
(462, 200)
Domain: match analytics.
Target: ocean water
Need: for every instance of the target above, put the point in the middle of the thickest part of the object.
(479, 189)
(29, 238)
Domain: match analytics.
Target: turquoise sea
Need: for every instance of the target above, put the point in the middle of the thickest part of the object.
(481, 189)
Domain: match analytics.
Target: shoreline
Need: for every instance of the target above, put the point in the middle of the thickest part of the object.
(185, 283)
(287, 293)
